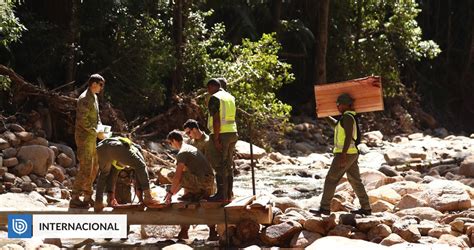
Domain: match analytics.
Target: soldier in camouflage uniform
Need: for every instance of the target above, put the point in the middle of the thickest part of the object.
(198, 138)
(115, 154)
(87, 119)
(194, 174)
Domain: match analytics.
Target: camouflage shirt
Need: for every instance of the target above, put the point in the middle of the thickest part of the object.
(87, 115)
(200, 144)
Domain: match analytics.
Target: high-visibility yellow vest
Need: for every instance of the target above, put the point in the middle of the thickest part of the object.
(340, 136)
(227, 113)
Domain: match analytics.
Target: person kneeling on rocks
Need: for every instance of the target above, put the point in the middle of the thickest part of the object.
(114, 154)
(194, 174)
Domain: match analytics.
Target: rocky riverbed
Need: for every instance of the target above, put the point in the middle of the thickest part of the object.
(420, 187)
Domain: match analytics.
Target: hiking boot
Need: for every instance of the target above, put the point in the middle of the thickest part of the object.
(362, 211)
(320, 211)
(213, 234)
(183, 234)
(77, 203)
(88, 200)
(98, 206)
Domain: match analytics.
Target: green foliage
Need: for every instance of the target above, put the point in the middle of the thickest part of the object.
(10, 26)
(370, 37)
(254, 73)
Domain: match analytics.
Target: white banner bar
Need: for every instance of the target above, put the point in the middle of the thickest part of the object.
(80, 225)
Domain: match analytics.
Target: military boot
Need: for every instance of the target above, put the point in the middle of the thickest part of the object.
(222, 190)
(75, 202)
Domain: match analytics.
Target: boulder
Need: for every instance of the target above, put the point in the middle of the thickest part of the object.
(364, 224)
(303, 147)
(336, 242)
(9, 153)
(381, 206)
(467, 166)
(388, 171)
(384, 193)
(452, 241)
(424, 213)
(410, 201)
(304, 239)
(444, 195)
(438, 231)
(57, 172)
(9, 177)
(321, 225)
(290, 216)
(38, 141)
(22, 169)
(64, 160)
(20, 202)
(392, 239)
(11, 138)
(373, 138)
(242, 149)
(66, 150)
(380, 231)
(342, 230)
(285, 202)
(10, 162)
(407, 231)
(280, 234)
(4, 144)
(24, 136)
(406, 187)
(42, 157)
(396, 156)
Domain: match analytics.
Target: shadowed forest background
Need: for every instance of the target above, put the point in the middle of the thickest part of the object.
(158, 54)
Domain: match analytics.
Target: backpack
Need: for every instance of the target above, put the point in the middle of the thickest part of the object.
(356, 140)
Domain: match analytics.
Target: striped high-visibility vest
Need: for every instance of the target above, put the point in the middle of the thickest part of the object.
(340, 136)
(227, 111)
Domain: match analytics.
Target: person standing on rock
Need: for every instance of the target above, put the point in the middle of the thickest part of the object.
(86, 134)
(346, 154)
(223, 137)
(114, 155)
(193, 174)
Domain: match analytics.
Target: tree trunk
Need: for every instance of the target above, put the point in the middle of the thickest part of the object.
(72, 42)
(178, 38)
(277, 4)
(321, 41)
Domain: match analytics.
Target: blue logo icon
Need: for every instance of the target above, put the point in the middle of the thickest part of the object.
(20, 226)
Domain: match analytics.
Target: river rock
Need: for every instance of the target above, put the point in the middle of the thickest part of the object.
(410, 201)
(424, 213)
(444, 195)
(242, 149)
(42, 157)
(380, 231)
(9, 153)
(467, 167)
(4, 144)
(280, 234)
(384, 193)
(10, 162)
(64, 160)
(304, 239)
(392, 239)
(24, 136)
(452, 241)
(337, 242)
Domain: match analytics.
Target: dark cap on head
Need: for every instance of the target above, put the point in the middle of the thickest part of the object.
(214, 82)
(345, 99)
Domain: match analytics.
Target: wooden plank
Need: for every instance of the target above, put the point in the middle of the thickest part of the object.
(165, 216)
(367, 93)
(240, 203)
(260, 202)
(207, 204)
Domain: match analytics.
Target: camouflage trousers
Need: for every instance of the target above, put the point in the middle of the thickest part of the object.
(89, 166)
(197, 187)
(335, 173)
